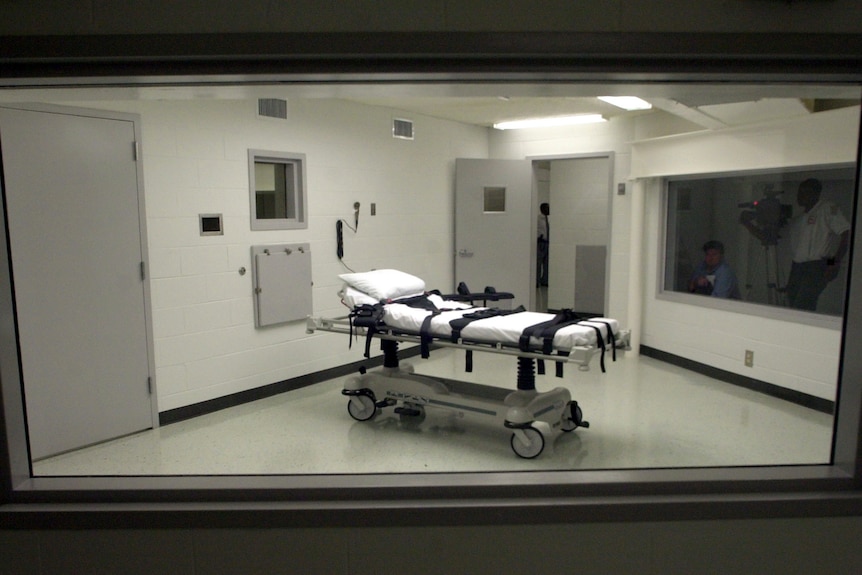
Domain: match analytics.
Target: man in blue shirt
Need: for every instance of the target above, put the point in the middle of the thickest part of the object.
(713, 276)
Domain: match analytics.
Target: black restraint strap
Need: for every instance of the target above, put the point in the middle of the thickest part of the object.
(548, 342)
(564, 317)
(368, 316)
(548, 339)
(547, 334)
(417, 301)
(612, 338)
(538, 328)
(425, 336)
(559, 364)
(460, 323)
(600, 341)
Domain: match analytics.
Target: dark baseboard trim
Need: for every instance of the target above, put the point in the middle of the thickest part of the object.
(234, 399)
(804, 399)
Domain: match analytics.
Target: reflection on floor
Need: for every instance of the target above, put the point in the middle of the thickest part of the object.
(643, 413)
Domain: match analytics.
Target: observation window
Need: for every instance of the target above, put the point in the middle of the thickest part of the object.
(277, 190)
(760, 228)
(744, 207)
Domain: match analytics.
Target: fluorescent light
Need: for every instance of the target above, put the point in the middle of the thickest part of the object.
(626, 102)
(550, 121)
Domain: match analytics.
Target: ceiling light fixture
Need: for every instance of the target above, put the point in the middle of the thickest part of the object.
(627, 102)
(550, 121)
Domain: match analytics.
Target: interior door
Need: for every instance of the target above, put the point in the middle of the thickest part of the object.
(75, 221)
(495, 242)
(580, 191)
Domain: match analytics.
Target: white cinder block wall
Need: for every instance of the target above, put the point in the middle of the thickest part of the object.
(791, 354)
(613, 136)
(195, 161)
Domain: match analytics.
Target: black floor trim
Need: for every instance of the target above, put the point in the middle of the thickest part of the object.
(804, 399)
(234, 399)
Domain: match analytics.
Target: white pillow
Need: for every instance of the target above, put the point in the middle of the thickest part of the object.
(352, 297)
(384, 284)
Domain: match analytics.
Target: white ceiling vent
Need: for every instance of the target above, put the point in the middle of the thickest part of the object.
(272, 108)
(402, 129)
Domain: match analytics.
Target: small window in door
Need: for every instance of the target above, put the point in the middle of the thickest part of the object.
(495, 200)
(277, 190)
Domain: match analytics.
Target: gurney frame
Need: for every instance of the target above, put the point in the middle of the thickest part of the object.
(532, 416)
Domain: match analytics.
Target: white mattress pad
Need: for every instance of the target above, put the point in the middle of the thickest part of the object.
(503, 329)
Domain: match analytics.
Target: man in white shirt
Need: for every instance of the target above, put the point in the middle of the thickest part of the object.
(819, 240)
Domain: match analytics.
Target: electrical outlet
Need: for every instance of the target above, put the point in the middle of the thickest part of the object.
(749, 358)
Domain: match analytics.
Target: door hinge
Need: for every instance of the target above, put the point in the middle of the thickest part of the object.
(143, 271)
(135, 151)
(150, 385)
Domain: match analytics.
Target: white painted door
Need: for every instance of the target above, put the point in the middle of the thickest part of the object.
(75, 221)
(495, 226)
(580, 191)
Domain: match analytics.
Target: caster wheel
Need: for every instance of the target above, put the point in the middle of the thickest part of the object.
(411, 414)
(573, 417)
(361, 407)
(528, 442)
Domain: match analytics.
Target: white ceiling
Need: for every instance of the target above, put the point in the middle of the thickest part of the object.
(711, 106)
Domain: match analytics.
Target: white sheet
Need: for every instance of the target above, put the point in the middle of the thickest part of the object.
(505, 329)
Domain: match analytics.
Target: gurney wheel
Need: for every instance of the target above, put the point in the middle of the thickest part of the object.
(534, 445)
(411, 413)
(361, 407)
(573, 417)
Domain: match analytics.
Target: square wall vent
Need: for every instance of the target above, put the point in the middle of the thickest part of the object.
(272, 108)
(402, 129)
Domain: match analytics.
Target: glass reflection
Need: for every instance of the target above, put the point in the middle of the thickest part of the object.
(776, 238)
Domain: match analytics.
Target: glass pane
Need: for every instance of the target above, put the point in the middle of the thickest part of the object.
(495, 200)
(717, 186)
(275, 190)
(776, 238)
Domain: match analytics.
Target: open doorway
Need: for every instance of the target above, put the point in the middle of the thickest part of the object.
(578, 192)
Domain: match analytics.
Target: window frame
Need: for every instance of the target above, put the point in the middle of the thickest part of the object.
(434, 499)
(299, 194)
(739, 306)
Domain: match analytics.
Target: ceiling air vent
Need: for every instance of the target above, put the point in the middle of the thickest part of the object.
(402, 129)
(272, 108)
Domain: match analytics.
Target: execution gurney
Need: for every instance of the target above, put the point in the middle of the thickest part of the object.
(393, 307)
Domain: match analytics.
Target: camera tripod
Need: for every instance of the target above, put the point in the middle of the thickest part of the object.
(773, 281)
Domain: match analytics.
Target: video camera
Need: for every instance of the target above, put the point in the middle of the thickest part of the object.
(766, 216)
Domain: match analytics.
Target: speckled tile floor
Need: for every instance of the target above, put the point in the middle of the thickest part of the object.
(643, 413)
